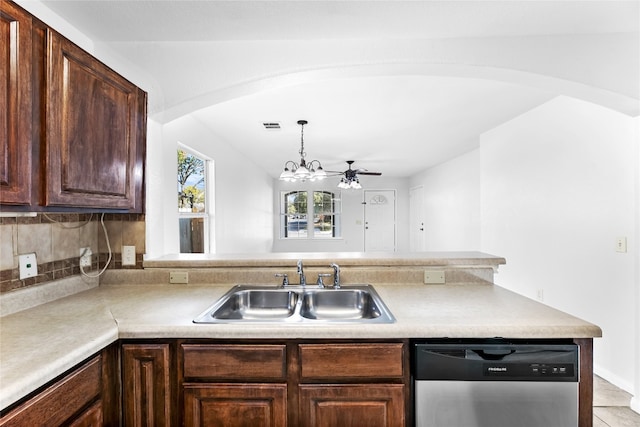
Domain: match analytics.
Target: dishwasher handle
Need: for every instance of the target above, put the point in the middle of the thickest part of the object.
(497, 354)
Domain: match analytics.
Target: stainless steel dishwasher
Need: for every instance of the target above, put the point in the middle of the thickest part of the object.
(495, 383)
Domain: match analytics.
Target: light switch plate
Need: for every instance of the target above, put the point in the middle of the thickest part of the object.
(28, 266)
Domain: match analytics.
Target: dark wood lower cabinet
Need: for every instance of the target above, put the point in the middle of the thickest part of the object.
(345, 405)
(82, 397)
(296, 383)
(235, 405)
(146, 385)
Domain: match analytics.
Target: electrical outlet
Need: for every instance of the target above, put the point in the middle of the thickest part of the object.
(179, 277)
(85, 257)
(128, 255)
(621, 244)
(434, 276)
(28, 266)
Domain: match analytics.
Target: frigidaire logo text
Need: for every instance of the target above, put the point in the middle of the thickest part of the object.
(497, 369)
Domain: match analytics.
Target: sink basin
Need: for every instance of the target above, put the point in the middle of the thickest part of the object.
(300, 305)
(254, 304)
(339, 304)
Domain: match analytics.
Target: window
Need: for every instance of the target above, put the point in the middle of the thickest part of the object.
(192, 202)
(296, 211)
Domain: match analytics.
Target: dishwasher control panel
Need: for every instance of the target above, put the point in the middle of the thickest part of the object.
(534, 370)
(504, 361)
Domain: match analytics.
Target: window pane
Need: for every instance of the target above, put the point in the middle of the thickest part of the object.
(191, 183)
(294, 213)
(326, 215)
(193, 221)
(191, 235)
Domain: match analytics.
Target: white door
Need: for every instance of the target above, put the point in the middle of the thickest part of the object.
(416, 219)
(380, 220)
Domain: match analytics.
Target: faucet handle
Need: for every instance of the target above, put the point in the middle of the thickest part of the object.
(285, 279)
(320, 283)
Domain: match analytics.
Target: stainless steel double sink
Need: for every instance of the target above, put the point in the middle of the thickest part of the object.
(298, 304)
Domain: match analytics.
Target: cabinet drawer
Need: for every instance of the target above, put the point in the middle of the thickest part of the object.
(235, 361)
(60, 401)
(326, 361)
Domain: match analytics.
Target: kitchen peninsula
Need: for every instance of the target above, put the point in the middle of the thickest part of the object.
(138, 315)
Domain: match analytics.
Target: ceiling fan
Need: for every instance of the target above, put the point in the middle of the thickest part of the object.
(350, 176)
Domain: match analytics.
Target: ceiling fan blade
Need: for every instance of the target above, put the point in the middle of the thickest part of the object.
(369, 173)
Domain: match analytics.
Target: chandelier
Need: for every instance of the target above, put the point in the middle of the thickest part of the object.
(302, 171)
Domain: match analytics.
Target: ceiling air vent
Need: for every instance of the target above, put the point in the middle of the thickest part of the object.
(271, 125)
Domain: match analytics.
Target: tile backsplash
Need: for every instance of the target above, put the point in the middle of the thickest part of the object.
(56, 240)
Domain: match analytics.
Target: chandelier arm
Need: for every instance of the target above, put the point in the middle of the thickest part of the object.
(293, 164)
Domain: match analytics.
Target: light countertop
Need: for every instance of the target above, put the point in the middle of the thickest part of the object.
(40, 343)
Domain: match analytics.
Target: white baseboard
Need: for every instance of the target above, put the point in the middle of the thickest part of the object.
(616, 380)
(635, 404)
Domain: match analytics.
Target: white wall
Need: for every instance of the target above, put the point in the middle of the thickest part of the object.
(451, 204)
(352, 239)
(243, 213)
(557, 186)
(155, 191)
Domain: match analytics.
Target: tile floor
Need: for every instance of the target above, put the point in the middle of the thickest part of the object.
(611, 406)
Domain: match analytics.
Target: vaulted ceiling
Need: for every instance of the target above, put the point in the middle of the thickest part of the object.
(398, 86)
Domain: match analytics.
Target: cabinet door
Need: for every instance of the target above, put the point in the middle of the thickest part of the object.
(146, 385)
(235, 405)
(94, 121)
(15, 105)
(371, 405)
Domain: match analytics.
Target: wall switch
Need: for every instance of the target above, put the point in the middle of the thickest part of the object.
(621, 244)
(178, 277)
(28, 266)
(85, 257)
(433, 276)
(128, 255)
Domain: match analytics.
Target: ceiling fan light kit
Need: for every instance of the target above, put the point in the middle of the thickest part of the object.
(349, 185)
(302, 171)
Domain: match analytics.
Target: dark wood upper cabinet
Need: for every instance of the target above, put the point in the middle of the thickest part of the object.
(72, 130)
(93, 121)
(15, 105)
